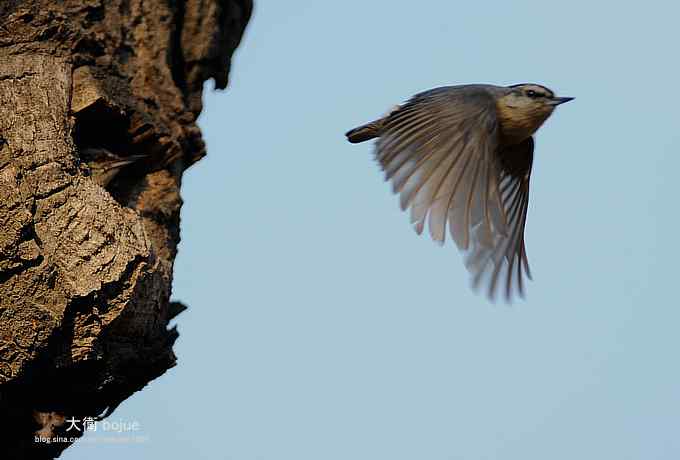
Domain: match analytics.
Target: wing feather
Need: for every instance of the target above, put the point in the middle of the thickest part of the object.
(441, 152)
(507, 259)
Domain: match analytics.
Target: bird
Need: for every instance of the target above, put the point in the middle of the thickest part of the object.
(461, 156)
(105, 165)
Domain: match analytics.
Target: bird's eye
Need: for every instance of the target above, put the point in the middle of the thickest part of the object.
(533, 94)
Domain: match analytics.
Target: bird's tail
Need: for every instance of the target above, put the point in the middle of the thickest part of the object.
(365, 132)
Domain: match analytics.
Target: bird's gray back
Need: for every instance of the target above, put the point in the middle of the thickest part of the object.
(464, 92)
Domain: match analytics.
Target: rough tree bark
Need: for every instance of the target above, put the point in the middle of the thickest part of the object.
(86, 271)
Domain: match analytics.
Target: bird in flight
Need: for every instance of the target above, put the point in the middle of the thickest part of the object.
(461, 156)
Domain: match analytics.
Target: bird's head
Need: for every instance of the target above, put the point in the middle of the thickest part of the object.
(524, 108)
(104, 165)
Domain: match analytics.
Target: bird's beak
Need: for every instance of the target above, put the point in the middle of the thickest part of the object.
(560, 100)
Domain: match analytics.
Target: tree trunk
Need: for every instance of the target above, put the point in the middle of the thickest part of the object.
(87, 244)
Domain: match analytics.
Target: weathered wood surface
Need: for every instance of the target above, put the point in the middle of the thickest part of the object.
(86, 272)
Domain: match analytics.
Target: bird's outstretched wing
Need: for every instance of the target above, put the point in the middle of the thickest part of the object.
(504, 264)
(440, 150)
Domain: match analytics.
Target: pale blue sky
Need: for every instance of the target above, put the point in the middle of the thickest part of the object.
(321, 327)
